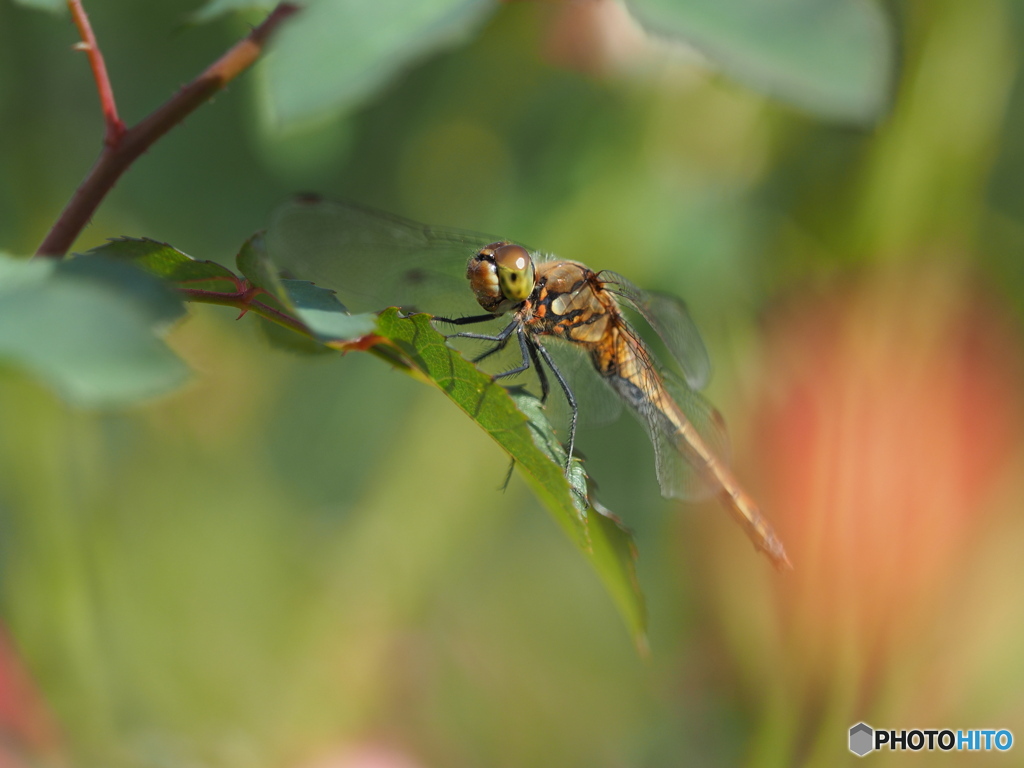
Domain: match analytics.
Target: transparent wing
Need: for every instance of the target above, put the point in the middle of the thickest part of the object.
(670, 319)
(686, 481)
(373, 259)
(681, 472)
(598, 404)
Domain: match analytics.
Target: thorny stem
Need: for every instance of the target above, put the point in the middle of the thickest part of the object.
(115, 127)
(118, 154)
(244, 300)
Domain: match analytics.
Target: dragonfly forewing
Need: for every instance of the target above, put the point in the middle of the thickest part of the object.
(374, 260)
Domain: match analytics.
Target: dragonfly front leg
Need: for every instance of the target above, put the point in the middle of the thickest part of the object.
(501, 338)
(572, 404)
(465, 320)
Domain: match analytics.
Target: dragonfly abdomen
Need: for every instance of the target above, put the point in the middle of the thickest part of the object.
(656, 408)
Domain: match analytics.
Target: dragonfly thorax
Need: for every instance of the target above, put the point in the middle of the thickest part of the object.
(501, 275)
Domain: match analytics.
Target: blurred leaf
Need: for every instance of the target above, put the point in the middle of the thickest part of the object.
(16, 273)
(163, 260)
(153, 297)
(338, 52)
(317, 308)
(216, 8)
(287, 339)
(87, 328)
(831, 57)
(53, 6)
(517, 422)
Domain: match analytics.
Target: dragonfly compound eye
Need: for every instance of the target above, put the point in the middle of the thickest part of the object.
(501, 276)
(515, 272)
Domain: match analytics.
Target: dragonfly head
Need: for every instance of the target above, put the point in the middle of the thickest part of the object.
(501, 275)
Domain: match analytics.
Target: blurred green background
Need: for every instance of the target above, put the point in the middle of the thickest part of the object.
(307, 562)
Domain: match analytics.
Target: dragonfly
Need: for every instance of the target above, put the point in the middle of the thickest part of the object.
(374, 260)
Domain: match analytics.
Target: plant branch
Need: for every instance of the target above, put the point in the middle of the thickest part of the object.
(116, 158)
(115, 126)
(243, 300)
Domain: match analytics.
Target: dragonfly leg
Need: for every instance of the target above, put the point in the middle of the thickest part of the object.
(544, 389)
(524, 347)
(541, 376)
(496, 348)
(465, 320)
(572, 404)
(501, 337)
(508, 476)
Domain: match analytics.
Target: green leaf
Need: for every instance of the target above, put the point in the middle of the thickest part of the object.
(338, 52)
(163, 260)
(87, 327)
(317, 308)
(612, 550)
(516, 420)
(831, 57)
(323, 314)
(216, 8)
(53, 6)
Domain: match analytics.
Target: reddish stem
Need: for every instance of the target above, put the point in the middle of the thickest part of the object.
(115, 126)
(115, 159)
(244, 300)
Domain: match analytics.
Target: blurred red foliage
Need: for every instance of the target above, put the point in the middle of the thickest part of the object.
(28, 735)
(892, 405)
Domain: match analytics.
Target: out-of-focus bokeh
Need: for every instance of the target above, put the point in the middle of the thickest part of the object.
(307, 561)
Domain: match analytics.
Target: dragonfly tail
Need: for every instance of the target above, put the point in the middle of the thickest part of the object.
(757, 528)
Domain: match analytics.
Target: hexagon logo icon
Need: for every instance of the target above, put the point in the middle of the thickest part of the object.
(862, 739)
